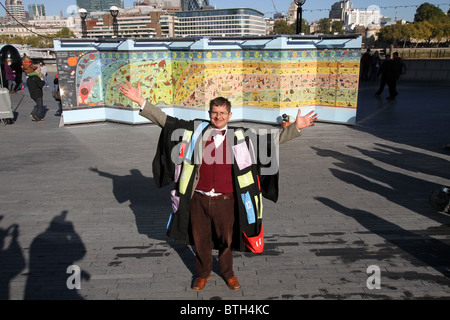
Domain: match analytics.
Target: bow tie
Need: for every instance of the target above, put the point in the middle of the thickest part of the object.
(219, 132)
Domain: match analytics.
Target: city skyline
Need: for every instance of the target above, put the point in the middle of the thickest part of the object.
(312, 10)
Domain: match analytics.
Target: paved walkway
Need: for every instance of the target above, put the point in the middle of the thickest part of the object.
(351, 197)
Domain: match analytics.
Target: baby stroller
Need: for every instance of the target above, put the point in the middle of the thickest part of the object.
(6, 112)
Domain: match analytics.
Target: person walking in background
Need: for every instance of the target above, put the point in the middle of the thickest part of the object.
(17, 67)
(388, 76)
(398, 67)
(10, 76)
(365, 65)
(375, 63)
(44, 74)
(35, 83)
(57, 95)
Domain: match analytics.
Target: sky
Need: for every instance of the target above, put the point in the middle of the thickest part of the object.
(312, 9)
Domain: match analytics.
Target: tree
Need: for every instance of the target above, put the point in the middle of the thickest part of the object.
(337, 27)
(40, 41)
(438, 23)
(324, 26)
(305, 27)
(423, 31)
(441, 30)
(282, 27)
(64, 33)
(408, 33)
(428, 12)
(389, 34)
(404, 32)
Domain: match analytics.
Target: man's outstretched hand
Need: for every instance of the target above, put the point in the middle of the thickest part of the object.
(305, 121)
(134, 94)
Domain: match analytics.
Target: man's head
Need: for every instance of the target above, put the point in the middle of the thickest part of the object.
(219, 112)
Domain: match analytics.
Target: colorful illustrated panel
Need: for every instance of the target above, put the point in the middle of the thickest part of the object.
(270, 78)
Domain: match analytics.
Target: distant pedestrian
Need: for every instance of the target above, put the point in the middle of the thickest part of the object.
(375, 63)
(365, 65)
(10, 76)
(389, 77)
(57, 95)
(398, 68)
(17, 67)
(35, 83)
(44, 74)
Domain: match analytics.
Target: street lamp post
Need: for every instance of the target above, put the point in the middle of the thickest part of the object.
(83, 14)
(299, 4)
(115, 12)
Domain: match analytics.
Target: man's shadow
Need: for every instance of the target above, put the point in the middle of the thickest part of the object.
(151, 207)
(12, 260)
(51, 253)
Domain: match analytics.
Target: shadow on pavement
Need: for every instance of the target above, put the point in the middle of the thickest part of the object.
(52, 255)
(425, 249)
(150, 206)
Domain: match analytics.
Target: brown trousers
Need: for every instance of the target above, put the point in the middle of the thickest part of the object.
(208, 216)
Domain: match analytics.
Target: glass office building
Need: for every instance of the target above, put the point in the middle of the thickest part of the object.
(220, 23)
(192, 5)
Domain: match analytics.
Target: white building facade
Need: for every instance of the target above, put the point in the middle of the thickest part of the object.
(365, 18)
(220, 22)
(15, 12)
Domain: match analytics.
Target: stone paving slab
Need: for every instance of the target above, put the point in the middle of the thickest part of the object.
(350, 197)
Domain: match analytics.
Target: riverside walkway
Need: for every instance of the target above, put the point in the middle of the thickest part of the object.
(352, 199)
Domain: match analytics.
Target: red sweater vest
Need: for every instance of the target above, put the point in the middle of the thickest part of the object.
(215, 172)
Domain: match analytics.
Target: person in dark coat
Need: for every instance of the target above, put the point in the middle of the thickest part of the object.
(35, 83)
(56, 95)
(398, 67)
(216, 199)
(388, 76)
(10, 76)
(365, 65)
(17, 67)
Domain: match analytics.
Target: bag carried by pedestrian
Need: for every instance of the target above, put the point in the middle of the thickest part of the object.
(56, 95)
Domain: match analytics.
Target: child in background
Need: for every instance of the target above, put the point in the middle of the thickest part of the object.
(10, 76)
(35, 83)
